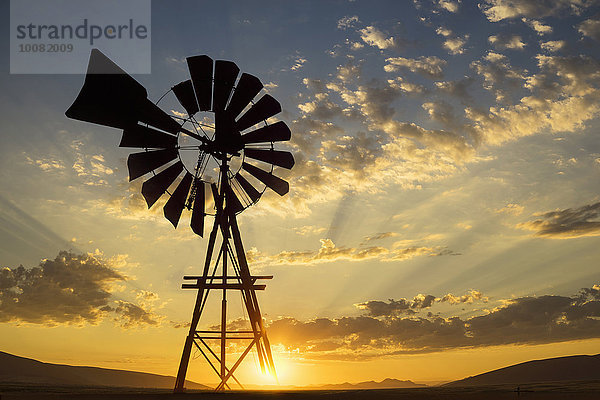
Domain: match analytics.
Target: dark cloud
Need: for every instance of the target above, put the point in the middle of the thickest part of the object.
(524, 320)
(130, 315)
(394, 308)
(568, 223)
(376, 308)
(72, 288)
(380, 236)
(458, 88)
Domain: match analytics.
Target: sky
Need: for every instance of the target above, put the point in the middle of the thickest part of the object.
(443, 217)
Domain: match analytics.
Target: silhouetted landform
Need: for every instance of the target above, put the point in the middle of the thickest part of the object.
(388, 383)
(572, 368)
(15, 369)
(548, 391)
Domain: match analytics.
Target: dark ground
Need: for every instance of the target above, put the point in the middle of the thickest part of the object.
(560, 391)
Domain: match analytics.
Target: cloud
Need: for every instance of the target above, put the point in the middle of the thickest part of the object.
(537, 26)
(456, 45)
(567, 224)
(90, 168)
(458, 88)
(379, 236)
(497, 10)
(309, 230)
(553, 45)
(499, 76)
(131, 315)
(590, 28)
(442, 112)
(449, 143)
(563, 95)
(394, 308)
(448, 5)
(376, 308)
(398, 83)
(329, 252)
(46, 164)
(321, 107)
(523, 320)
(514, 209)
(472, 296)
(347, 22)
(504, 41)
(430, 67)
(376, 38)
(71, 289)
(443, 31)
(298, 63)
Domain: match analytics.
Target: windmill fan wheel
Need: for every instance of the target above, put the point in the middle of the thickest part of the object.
(233, 136)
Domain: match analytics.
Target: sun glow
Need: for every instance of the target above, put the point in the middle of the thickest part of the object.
(285, 370)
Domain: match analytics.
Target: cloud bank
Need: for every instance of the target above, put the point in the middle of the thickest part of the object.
(71, 289)
(385, 331)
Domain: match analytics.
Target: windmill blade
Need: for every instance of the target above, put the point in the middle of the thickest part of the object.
(154, 187)
(277, 132)
(280, 158)
(197, 222)
(144, 137)
(246, 89)
(141, 163)
(226, 73)
(176, 202)
(226, 136)
(201, 71)
(266, 107)
(248, 188)
(280, 186)
(151, 114)
(184, 91)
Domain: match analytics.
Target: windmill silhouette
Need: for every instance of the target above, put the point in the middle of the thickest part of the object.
(233, 164)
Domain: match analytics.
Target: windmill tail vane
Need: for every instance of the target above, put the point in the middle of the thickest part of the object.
(230, 163)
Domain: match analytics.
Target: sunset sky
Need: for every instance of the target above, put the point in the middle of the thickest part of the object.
(443, 217)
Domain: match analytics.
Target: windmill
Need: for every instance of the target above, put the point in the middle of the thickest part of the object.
(233, 162)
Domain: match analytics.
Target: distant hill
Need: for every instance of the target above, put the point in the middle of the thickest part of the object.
(384, 384)
(572, 368)
(16, 369)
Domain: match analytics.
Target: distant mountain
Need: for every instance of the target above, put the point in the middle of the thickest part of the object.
(16, 369)
(384, 384)
(572, 368)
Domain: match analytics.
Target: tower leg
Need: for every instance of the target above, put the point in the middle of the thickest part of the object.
(189, 340)
(252, 301)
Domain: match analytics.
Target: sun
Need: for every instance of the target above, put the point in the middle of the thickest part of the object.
(286, 372)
